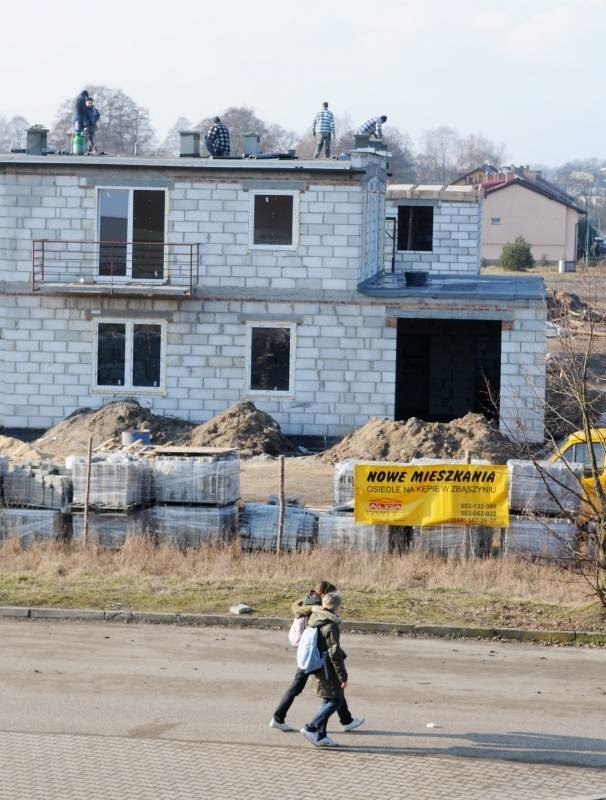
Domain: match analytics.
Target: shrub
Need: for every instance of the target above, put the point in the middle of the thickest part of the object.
(517, 256)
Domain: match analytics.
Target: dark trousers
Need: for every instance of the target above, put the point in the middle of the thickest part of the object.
(295, 689)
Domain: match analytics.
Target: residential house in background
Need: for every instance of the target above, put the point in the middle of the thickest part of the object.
(520, 202)
(191, 284)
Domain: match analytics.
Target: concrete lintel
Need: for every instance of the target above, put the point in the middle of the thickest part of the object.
(131, 183)
(249, 186)
(298, 320)
(420, 313)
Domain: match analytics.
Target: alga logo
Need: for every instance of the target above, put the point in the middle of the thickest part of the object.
(376, 506)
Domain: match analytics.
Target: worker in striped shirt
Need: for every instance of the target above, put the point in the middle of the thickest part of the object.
(373, 127)
(324, 126)
(217, 139)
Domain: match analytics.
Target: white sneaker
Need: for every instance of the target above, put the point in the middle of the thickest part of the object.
(355, 723)
(281, 726)
(326, 742)
(311, 736)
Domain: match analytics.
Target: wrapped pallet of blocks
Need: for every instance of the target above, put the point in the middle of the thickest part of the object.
(341, 532)
(544, 487)
(454, 541)
(111, 530)
(193, 526)
(117, 481)
(29, 525)
(259, 527)
(32, 487)
(211, 479)
(548, 538)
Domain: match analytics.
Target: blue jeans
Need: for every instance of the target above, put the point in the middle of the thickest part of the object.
(296, 687)
(323, 140)
(327, 709)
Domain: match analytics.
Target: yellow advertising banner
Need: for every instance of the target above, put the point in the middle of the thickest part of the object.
(407, 494)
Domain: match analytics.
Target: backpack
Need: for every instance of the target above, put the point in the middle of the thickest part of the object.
(295, 631)
(309, 657)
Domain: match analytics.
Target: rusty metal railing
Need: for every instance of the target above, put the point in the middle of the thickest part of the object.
(62, 262)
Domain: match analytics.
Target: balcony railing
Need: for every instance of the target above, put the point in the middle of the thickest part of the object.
(116, 267)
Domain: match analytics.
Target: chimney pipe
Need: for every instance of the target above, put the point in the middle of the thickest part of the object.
(189, 144)
(37, 141)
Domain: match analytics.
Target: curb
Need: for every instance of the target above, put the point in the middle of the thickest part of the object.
(377, 628)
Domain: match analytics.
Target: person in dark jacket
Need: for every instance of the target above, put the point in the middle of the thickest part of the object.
(331, 680)
(79, 117)
(303, 608)
(217, 139)
(91, 119)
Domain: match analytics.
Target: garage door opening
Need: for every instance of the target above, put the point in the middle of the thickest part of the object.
(446, 368)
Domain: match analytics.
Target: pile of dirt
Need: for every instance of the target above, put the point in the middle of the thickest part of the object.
(244, 428)
(105, 425)
(385, 440)
(562, 306)
(18, 452)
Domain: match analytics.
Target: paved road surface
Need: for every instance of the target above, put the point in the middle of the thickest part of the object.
(93, 710)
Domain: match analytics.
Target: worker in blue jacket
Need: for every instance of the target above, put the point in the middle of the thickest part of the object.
(91, 119)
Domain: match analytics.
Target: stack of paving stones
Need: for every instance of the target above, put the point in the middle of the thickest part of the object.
(339, 531)
(259, 528)
(543, 499)
(195, 496)
(454, 541)
(119, 495)
(35, 503)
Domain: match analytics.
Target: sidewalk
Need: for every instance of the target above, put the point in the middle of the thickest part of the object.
(79, 767)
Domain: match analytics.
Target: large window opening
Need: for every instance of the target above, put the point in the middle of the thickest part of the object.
(273, 220)
(131, 224)
(129, 354)
(415, 228)
(270, 358)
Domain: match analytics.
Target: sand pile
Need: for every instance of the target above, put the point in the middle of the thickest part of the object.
(385, 440)
(18, 452)
(105, 425)
(244, 428)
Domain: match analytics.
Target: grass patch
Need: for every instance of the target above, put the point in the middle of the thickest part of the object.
(413, 588)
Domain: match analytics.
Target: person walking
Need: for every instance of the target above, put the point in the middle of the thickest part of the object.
(324, 127)
(217, 139)
(331, 679)
(373, 127)
(302, 609)
(91, 120)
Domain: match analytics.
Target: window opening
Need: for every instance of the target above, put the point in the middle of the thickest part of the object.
(129, 354)
(273, 219)
(415, 228)
(270, 359)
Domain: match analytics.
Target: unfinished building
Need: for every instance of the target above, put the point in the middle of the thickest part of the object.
(309, 287)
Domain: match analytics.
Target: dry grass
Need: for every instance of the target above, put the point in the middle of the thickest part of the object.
(410, 588)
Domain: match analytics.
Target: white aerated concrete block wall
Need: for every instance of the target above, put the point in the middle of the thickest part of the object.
(456, 240)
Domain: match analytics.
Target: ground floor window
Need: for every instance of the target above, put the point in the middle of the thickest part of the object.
(129, 354)
(270, 358)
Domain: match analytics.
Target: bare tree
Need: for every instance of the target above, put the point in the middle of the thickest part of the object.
(13, 132)
(475, 150)
(124, 129)
(438, 158)
(171, 144)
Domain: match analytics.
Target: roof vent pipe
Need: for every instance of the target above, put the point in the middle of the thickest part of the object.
(189, 144)
(251, 144)
(37, 143)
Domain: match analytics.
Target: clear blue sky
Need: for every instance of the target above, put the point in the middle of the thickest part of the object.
(523, 72)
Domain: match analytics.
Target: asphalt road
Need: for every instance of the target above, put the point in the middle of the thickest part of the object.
(509, 711)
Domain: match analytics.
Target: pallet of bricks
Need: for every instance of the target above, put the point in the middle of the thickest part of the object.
(259, 524)
(195, 495)
(34, 503)
(118, 497)
(544, 500)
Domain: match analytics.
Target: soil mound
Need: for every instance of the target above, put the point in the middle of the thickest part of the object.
(561, 305)
(244, 428)
(105, 425)
(18, 452)
(385, 440)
